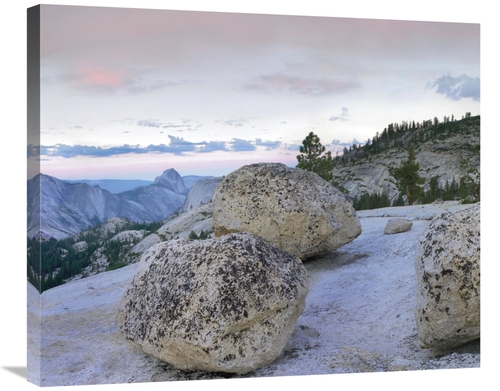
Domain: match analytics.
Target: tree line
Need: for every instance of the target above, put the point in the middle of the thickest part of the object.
(450, 191)
(51, 262)
(409, 134)
(314, 157)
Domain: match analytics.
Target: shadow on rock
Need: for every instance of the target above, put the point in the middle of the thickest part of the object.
(332, 260)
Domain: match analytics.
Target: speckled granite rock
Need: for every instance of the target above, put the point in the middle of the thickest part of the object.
(448, 275)
(220, 305)
(292, 209)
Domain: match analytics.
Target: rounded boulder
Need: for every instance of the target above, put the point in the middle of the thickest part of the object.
(292, 209)
(219, 305)
(448, 276)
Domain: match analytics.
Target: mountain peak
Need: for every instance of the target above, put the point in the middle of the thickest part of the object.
(171, 180)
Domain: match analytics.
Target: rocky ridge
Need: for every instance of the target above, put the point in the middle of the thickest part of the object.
(439, 151)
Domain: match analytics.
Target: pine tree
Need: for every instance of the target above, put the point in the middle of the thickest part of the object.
(434, 192)
(408, 178)
(399, 201)
(313, 157)
(470, 182)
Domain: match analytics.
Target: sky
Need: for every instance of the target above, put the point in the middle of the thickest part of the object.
(128, 93)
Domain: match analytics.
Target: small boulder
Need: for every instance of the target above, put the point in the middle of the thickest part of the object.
(396, 226)
(219, 305)
(448, 276)
(292, 209)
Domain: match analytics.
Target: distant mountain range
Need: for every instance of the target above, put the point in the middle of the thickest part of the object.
(116, 186)
(59, 209)
(112, 185)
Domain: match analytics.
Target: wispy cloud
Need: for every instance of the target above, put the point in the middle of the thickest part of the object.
(299, 85)
(152, 87)
(234, 122)
(342, 117)
(153, 123)
(170, 125)
(255, 87)
(457, 88)
(149, 123)
(337, 143)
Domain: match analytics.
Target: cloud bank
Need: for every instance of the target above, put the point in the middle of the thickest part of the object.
(177, 145)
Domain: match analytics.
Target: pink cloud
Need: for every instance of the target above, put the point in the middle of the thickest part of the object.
(102, 79)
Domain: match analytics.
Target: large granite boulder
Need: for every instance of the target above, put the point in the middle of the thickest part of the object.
(448, 276)
(219, 305)
(292, 209)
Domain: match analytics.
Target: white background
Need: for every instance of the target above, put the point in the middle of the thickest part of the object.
(13, 188)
